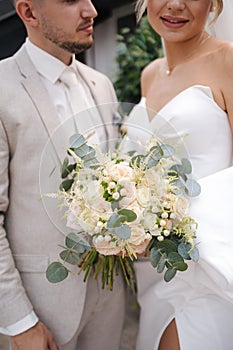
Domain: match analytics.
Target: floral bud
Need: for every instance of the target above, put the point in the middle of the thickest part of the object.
(116, 195)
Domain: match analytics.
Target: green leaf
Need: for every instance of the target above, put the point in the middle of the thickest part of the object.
(77, 140)
(167, 246)
(74, 241)
(174, 257)
(183, 250)
(56, 272)
(194, 254)
(168, 151)
(64, 167)
(129, 214)
(154, 256)
(161, 263)
(181, 266)
(116, 220)
(66, 184)
(193, 188)
(70, 257)
(122, 231)
(169, 275)
(138, 161)
(187, 166)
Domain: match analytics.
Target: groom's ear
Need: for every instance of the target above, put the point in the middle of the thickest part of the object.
(26, 11)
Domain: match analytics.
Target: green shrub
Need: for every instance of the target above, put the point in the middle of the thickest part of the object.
(134, 52)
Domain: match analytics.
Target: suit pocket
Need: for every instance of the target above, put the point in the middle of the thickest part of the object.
(31, 263)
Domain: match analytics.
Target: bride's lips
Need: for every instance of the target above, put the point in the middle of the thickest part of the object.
(174, 22)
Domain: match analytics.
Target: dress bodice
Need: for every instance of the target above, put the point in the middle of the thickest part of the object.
(194, 117)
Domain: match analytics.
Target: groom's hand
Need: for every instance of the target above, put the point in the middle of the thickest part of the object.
(36, 338)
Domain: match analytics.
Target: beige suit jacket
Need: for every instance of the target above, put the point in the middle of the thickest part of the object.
(29, 239)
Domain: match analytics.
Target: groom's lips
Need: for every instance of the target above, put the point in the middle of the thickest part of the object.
(174, 22)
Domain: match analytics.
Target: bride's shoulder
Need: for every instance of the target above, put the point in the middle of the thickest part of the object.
(150, 72)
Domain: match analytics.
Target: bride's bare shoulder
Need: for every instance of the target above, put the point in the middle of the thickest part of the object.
(150, 72)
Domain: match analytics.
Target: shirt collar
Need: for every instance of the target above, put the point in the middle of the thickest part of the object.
(47, 65)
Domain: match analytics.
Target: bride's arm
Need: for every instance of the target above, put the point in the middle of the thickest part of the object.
(227, 82)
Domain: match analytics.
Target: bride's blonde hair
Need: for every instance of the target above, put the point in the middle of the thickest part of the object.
(141, 5)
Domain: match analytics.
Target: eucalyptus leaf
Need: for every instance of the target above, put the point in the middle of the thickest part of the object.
(154, 256)
(70, 257)
(56, 272)
(116, 220)
(183, 250)
(123, 232)
(193, 188)
(167, 246)
(181, 266)
(194, 254)
(129, 214)
(168, 151)
(77, 140)
(174, 257)
(169, 275)
(161, 263)
(74, 241)
(82, 150)
(187, 166)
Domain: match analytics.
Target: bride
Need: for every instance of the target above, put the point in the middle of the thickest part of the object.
(190, 92)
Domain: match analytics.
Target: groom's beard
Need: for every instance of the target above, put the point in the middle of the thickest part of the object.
(60, 38)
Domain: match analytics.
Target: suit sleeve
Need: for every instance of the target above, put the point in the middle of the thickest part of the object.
(14, 303)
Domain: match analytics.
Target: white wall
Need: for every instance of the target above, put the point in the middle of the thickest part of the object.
(102, 55)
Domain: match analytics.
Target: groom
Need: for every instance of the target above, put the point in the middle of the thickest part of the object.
(34, 101)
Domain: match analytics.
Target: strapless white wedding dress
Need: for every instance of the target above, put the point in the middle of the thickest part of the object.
(201, 298)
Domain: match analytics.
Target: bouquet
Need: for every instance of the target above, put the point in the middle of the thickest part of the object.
(123, 205)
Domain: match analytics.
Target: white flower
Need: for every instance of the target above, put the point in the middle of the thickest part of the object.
(180, 207)
(130, 190)
(143, 196)
(163, 222)
(106, 248)
(150, 221)
(160, 238)
(116, 196)
(111, 185)
(139, 240)
(164, 215)
(166, 233)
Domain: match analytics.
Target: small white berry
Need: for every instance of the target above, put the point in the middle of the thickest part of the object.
(163, 222)
(164, 215)
(160, 238)
(172, 216)
(116, 195)
(111, 185)
(166, 233)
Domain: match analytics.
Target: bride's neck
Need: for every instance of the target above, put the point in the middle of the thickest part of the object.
(177, 53)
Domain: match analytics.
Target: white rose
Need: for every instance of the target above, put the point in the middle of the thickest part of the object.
(149, 221)
(106, 247)
(130, 191)
(180, 207)
(139, 239)
(143, 196)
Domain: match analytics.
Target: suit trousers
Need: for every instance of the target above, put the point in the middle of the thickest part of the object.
(102, 320)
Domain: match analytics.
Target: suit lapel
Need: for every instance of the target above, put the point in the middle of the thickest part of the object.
(43, 104)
